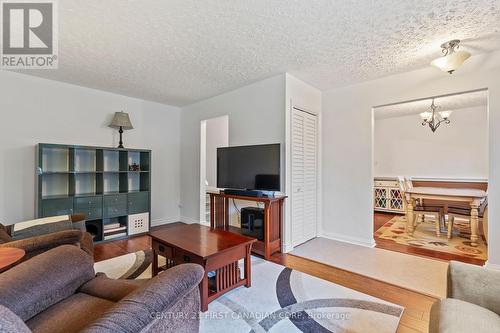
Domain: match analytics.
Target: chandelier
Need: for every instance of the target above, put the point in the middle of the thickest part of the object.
(452, 58)
(433, 118)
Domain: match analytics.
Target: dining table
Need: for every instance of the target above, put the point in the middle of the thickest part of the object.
(473, 197)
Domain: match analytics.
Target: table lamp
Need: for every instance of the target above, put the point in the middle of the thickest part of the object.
(121, 121)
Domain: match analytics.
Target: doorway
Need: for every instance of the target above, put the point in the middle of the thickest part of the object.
(430, 166)
(214, 133)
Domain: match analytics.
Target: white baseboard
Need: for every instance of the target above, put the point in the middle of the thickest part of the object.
(166, 220)
(492, 266)
(287, 248)
(348, 239)
(189, 220)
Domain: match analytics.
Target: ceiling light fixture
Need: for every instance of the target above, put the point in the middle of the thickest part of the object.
(452, 58)
(433, 118)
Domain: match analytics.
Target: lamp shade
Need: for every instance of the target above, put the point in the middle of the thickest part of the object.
(445, 114)
(121, 119)
(426, 115)
(451, 62)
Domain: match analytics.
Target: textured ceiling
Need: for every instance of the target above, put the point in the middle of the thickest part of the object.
(181, 51)
(453, 103)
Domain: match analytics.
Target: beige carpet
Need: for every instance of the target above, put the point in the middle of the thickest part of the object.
(419, 274)
(425, 237)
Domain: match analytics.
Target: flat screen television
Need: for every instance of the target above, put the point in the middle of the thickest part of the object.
(249, 167)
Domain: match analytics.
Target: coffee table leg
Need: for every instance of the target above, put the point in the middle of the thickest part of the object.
(248, 268)
(155, 263)
(204, 293)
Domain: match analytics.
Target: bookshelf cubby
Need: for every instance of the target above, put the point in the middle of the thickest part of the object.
(105, 184)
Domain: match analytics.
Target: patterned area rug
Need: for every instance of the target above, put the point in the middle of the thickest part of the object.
(280, 300)
(425, 237)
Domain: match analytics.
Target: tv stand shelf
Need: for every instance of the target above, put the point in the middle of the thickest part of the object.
(273, 218)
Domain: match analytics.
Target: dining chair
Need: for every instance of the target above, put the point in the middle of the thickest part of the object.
(409, 184)
(420, 210)
(464, 213)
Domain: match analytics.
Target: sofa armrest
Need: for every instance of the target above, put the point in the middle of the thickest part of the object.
(474, 284)
(434, 317)
(38, 244)
(151, 304)
(86, 243)
(4, 235)
(36, 284)
(10, 323)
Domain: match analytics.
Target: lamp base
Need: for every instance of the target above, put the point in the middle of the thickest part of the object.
(120, 144)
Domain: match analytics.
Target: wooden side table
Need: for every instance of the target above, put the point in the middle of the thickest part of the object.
(9, 256)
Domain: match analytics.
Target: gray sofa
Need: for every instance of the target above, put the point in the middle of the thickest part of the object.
(473, 303)
(66, 229)
(57, 291)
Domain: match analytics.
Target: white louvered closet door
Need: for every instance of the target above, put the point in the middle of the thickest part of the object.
(304, 176)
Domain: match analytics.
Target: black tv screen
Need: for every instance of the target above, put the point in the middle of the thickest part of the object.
(249, 167)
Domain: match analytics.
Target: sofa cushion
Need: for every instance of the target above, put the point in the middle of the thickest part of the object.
(457, 316)
(70, 315)
(110, 289)
(41, 226)
(42, 281)
(10, 323)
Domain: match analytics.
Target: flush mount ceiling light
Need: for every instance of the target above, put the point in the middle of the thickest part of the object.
(433, 118)
(452, 58)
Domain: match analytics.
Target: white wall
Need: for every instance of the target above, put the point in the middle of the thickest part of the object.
(36, 110)
(216, 136)
(347, 142)
(403, 147)
(256, 116)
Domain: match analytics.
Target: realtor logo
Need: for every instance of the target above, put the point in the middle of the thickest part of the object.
(29, 35)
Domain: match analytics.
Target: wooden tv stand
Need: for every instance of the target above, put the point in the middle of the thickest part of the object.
(273, 218)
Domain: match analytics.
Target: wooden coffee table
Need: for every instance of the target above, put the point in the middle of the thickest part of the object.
(9, 256)
(218, 251)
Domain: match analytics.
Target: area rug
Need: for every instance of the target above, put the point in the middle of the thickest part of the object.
(280, 300)
(425, 237)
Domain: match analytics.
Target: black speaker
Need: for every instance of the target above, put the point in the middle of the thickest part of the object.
(252, 222)
(95, 229)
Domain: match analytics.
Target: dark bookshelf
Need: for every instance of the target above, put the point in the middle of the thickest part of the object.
(106, 184)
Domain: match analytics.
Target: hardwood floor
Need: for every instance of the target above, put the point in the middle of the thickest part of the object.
(379, 219)
(417, 306)
(117, 248)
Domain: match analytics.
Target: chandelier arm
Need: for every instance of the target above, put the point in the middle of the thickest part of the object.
(435, 119)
